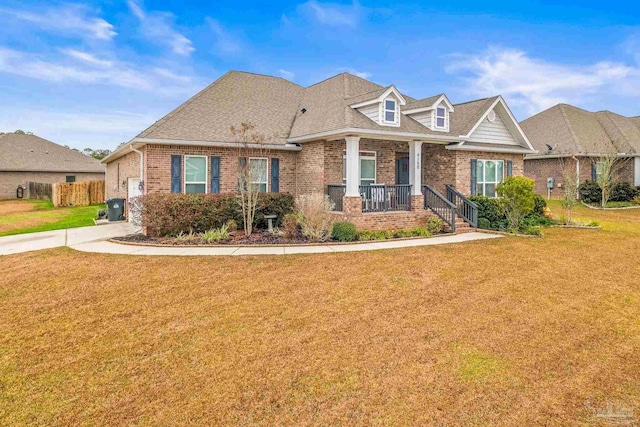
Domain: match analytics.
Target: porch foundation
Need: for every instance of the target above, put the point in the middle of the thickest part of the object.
(378, 221)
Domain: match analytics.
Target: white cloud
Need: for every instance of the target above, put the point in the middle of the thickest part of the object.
(286, 74)
(224, 43)
(72, 19)
(535, 84)
(332, 14)
(87, 58)
(158, 27)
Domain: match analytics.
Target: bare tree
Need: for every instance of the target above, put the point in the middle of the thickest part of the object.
(570, 199)
(607, 166)
(251, 175)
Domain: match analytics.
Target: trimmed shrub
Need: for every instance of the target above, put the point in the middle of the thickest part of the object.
(403, 233)
(172, 214)
(489, 209)
(539, 203)
(278, 204)
(365, 235)
(344, 231)
(484, 223)
(423, 232)
(434, 225)
(623, 192)
(590, 192)
(535, 220)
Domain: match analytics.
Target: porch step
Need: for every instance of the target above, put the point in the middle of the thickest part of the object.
(461, 227)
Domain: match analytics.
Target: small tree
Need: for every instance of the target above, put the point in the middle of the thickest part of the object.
(570, 199)
(249, 144)
(517, 199)
(607, 166)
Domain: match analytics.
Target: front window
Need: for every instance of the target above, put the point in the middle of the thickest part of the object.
(599, 171)
(367, 168)
(195, 174)
(489, 174)
(441, 115)
(258, 171)
(390, 111)
(71, 178)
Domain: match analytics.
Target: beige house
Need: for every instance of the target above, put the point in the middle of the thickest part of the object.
(25, 157)
(571, 139)
(384, 158)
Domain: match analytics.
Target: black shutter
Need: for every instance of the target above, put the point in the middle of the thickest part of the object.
(215, 174)
(509, 168)
(176, 174)
(241, 171)
(594, 177)
(474, 176)
(275, 175)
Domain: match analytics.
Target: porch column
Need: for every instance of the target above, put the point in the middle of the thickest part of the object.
(415, 167)
(353, 169)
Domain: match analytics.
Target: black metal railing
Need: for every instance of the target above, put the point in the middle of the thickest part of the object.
(440, 206)
(466, 208)
(385, 198)
(335, 193)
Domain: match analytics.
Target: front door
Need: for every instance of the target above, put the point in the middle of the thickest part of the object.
(402, 170)
(133, 191)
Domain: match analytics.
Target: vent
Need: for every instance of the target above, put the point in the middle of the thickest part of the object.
(491, 116)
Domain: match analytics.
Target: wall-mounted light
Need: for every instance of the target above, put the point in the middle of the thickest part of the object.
(124, 184)
(141, 185)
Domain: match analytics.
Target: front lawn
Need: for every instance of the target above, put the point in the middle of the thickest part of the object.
(508, 332)
(30, 216)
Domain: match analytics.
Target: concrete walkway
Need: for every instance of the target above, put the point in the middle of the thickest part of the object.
(94, 239)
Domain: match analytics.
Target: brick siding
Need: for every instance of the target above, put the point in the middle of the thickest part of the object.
(9, 181)
(127, 166)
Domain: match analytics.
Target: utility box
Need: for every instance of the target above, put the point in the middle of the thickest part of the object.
(550, 182)
(115, 209)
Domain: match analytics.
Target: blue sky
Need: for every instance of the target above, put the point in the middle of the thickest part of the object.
(95, 74)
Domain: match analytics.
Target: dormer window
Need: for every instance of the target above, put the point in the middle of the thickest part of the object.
(441, 115)
(389, 111)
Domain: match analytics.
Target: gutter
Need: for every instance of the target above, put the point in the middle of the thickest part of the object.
(457, 147)
(340, 133)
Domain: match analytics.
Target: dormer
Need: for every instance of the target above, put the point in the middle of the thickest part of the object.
(383, 106)
(433, 112)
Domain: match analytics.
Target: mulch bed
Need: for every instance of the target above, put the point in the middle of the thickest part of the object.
(234, 239)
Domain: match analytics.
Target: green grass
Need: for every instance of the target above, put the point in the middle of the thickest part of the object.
(44, 217)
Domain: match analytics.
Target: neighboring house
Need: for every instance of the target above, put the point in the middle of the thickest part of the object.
(25, 157)
(371, 148)
(572, 139)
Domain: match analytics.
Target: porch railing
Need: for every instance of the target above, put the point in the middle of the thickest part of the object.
(385, 198)
(439, 205)
(466, 208)
(335, 193)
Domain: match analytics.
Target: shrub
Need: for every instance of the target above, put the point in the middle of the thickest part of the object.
(365, 235)
(517, 192)
(484, 223)
(382, 235)
(403, 233)
(539, 204)
(434, 225)
(344, 231)
(172, 214)
(216, 234)
(636, 200)
(278, 204)
(489, 209)
(532, 231)
(623, 192)
(314, 215)
(590, 192)
(535, 220)
(290, 226)
(423, 232)
(232, 225)
(183, 237)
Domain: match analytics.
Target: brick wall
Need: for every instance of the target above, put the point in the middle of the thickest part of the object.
(374, 221)
(127, 166)
(9, 181)
(438, 166)
(311, 169)
(463, 166)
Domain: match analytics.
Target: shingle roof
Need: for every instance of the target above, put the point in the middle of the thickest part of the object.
(571, 130)
(422, 103)
(23, 152)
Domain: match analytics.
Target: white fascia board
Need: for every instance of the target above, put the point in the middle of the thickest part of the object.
(460, 147)
(591, 155)
(120, 151)
(221, 144)
(381, 98)
(442, 98)
(364, 133)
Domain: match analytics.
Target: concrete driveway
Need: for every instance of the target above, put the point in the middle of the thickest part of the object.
(57, 238)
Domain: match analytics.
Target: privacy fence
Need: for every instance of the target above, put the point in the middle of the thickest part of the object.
(39, 190)
(78, 193)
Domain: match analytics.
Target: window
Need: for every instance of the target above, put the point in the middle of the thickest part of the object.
(389, 111)
(72, 178)
(367, 167)
(599, 166)
(489, 174)
(441, 115)
(258, 171)
(195, 174)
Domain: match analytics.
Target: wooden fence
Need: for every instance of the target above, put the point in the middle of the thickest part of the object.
(78, 193)
(38, 190)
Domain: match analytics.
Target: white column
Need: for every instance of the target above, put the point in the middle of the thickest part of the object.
(353, 166)
(415, 167)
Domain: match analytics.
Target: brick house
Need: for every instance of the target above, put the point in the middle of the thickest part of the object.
(26, 157)
(571, 139)
(380, 155)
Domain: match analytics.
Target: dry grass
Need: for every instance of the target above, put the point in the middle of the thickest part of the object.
(504, 332)
(16, 206)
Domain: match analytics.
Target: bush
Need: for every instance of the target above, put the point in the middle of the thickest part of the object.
(232, 225)
(401, 234)
(484, 224)
(636, 200)
(535, 220)
(278, 204)
(539, 204)
(314, 215)
(590, 192)
(365, 235)
(434, 225)
(623, 192)
(490, 210)
(518, 199)
(216, 234)
(423, 232)
(344, 231)
(532, 231)
(290, 226)
(172, 214)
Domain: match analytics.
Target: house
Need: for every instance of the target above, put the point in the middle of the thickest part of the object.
(26, 157)
(381, 155)
(569, 138)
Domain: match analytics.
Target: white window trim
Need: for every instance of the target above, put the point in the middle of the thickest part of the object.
(206, 175)
(266, 183)
(396, 112)
(484, 172)
(369, 154)
(434, 118)
(598, 165)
